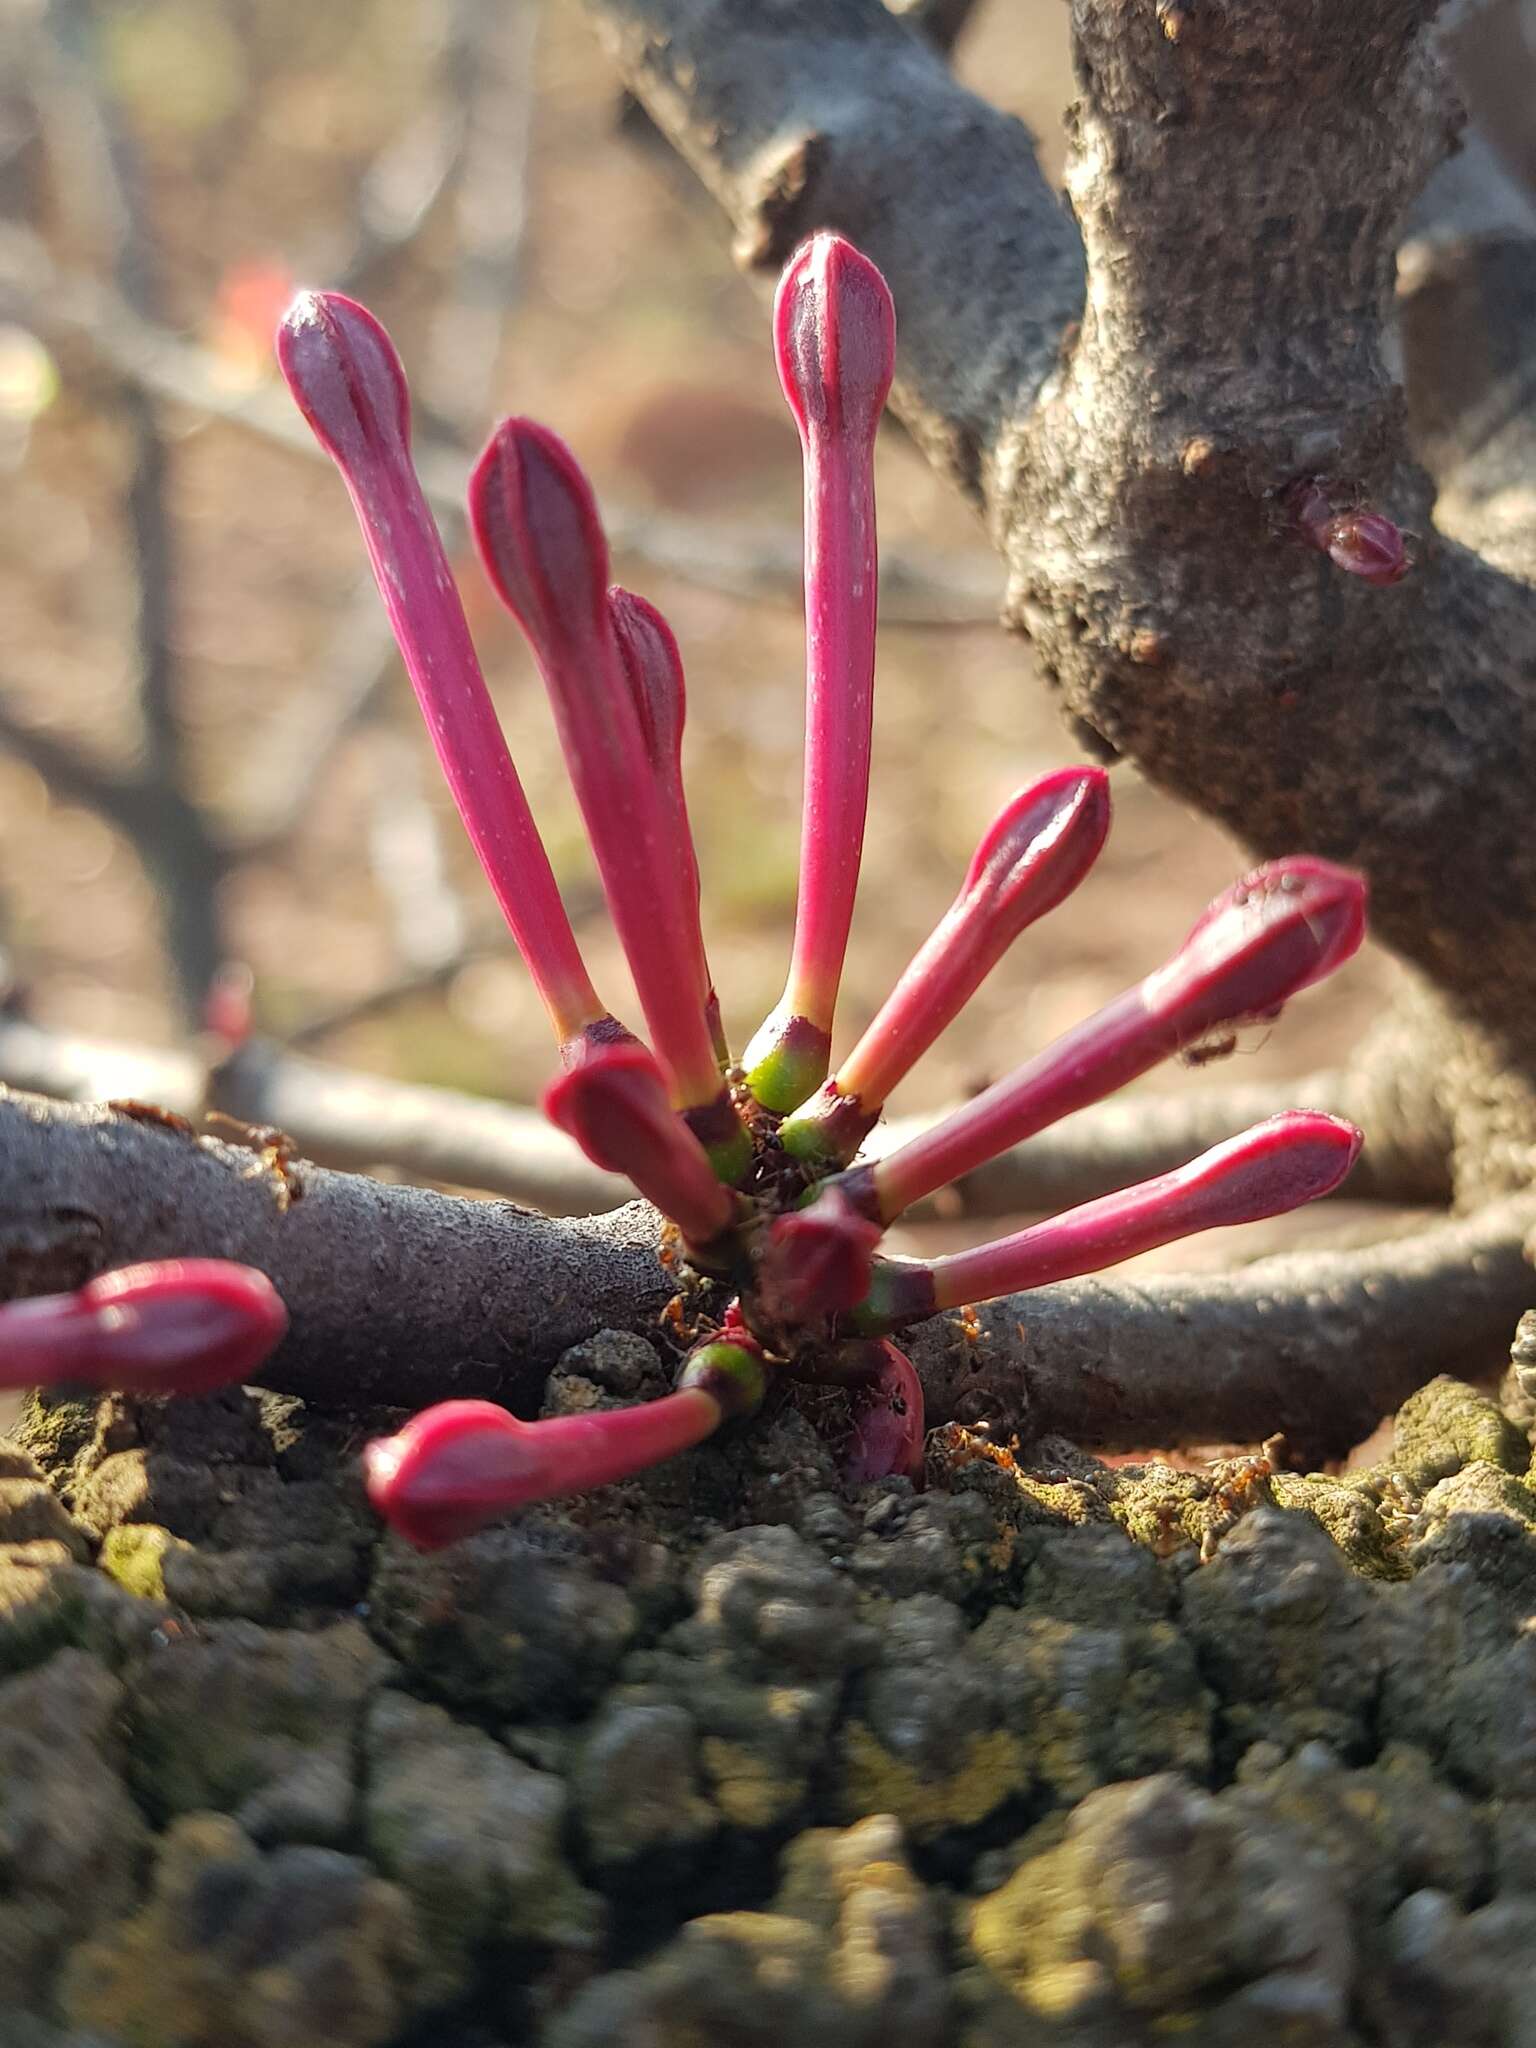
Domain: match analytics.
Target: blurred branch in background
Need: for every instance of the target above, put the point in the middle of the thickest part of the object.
(95, 172)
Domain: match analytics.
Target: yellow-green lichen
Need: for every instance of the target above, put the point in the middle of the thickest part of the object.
(134, 1554)
(992, 1769)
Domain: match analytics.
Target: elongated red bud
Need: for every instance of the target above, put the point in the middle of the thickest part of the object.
(1268, 937)
(540, 538)
(169, 1326)
(835, 338)
(1276, 1166)
(816, 1262)
(1034, 853)
(654, 668)
(614, 1104)
(458, 1466)
(344, 374)
(1271, 935)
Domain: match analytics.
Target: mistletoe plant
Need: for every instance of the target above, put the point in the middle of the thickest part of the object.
(755, 1162)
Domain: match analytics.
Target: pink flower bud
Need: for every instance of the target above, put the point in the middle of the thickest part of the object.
(1276, 1166)
(886, 1438)
(614, 1104)
(654, 668)
(835, 335)
(1363, 543)
(170, 1326)
(1271, 935)
(228, 1005)
(540, 538)
(1034, 853)
(1368, 546)
(343, 371)
(456, 1467)
(816, 1262)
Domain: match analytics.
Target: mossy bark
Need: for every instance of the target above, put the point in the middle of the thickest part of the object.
(1054, 1752)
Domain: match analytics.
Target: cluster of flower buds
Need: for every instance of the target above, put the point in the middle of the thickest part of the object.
(755, 1162)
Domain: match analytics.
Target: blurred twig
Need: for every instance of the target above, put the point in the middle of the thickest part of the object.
(97, 171)
(337, 1116)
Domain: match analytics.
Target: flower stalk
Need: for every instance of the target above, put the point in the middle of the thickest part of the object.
(1035, 852)
(342, 370)
(1274, 933)
(835, 341)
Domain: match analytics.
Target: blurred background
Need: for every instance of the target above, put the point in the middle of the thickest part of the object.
(208, 752)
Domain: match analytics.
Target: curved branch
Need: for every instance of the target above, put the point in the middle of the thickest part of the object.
(399, 1297)
(801, 114)
(1316, 1346)
(344, 1119)
(396, 1296)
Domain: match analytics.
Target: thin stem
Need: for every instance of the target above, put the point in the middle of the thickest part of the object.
(1280, 1164)
(835, 338)
(345, 375)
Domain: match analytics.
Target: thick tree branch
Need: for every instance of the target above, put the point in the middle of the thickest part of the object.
(400, 1297)
(832, 113)
(1316, 1345)
(397, 1296)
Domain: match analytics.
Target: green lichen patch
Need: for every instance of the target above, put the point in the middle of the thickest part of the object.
(1447, 1425)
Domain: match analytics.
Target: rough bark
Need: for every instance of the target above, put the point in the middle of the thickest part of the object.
(1241, 177)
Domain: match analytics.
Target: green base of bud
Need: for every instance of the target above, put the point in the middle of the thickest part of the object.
(727, 1142)
(730, 1374)
(787, 1062)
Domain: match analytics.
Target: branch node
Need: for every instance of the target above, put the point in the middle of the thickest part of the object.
(779, 213)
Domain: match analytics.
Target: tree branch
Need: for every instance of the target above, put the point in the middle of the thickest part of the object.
(396, 1296)
(1317, 1346)
(1240, 176)
(943, 22)
(800, 114)
(400, 1297)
